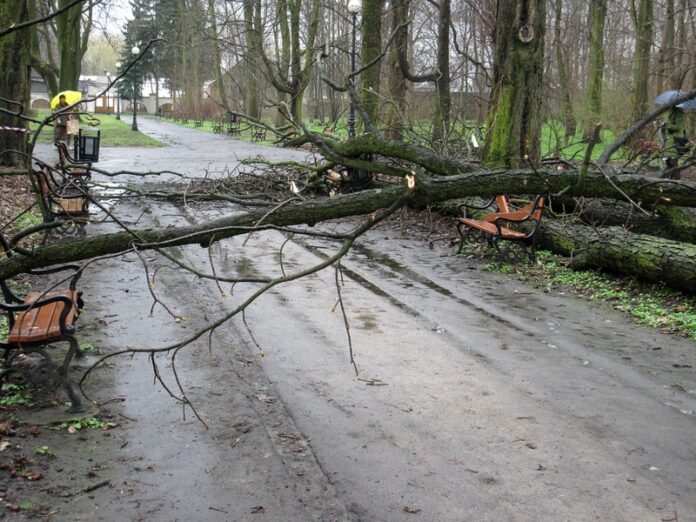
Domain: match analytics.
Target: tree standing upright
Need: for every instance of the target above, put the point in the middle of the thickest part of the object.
(595, 75)
(15, 62)
(643, 22)
(514, 117)
(371, 49)
(58, 47)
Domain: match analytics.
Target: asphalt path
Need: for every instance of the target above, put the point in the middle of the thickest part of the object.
(478, 398)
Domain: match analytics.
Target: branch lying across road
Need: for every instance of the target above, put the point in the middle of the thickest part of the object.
(429, 190)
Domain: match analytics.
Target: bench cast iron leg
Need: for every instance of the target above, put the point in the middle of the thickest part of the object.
(76, 406)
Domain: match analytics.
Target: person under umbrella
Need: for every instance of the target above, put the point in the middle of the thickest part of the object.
(675, 141)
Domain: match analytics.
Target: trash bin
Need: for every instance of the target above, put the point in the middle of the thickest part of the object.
(87, 146)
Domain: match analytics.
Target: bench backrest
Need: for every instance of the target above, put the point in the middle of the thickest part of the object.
(531, 212)
(502, 202)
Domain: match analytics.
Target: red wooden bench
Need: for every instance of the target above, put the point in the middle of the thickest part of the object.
(70, 166)
(519, 226)
(37, 321)
(61, 199)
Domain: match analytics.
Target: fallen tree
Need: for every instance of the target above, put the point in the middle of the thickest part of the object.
(615, 249)
(429, 190)
(668, 222)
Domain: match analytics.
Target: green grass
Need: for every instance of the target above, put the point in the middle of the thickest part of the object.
(653, 305)
(94, 423)
(114, 133)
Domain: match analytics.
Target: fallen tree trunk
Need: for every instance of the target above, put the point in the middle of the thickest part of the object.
(621, 252)
(428, 190)
(675, 223)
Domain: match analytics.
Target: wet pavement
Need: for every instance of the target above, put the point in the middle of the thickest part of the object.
(478, 398)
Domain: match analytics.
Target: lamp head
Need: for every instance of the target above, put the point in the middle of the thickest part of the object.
(135, 50)
(354, 6)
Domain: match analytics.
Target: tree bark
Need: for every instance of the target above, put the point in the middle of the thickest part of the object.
(515, 116)
(441, 120)
(568, 116)
(371, 49)
(15, 61)
(598, 14)
(252, 23)
(643, 21)
(217, 66)
(615, 250)
(72, 35)
(428, 191)
(396, 82)
(668, 222)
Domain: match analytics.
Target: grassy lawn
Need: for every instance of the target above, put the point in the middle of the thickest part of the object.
(114, 133)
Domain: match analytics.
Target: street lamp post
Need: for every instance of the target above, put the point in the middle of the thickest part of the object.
(354, 7)
(359, 178)
(118, 94)
(107, 105)
(135, 51)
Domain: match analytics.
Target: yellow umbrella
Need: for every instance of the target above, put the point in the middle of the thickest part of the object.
(70, 97)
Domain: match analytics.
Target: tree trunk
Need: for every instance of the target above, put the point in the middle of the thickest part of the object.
(568, 117)
(515, 116)
(681, 60)
(666, 56)
(643, 19)
(396, 82)
(674, 223)
(371, 49)
(428, 191)
(72, 43)
(598, 14)
(615, 250)
(217, 66)
(252, 23)
(442, 81)
(15, 61)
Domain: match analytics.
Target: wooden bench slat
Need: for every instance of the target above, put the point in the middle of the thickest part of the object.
(490, 228)
(43, 322)
(72, 205)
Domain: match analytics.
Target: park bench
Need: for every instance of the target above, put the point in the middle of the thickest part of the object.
(71, 166)
(289, 136)
(197, 123)
(217, 127)
(61, 199)
(645, 148)
(233, 128)
(35, 323)
(517, 226)
(258, 134)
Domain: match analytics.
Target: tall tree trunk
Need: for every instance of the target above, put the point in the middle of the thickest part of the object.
(598, 15)
(252, 23)
(514, 117)
(72, 35)
(396, 82)
(15, 81)
(666, 57)
(568, 117)
(682, 57)
(442, 81)
(217, 66)
(643, 20)
(371, 49)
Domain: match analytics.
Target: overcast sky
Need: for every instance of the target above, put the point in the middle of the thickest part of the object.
(113, 16)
